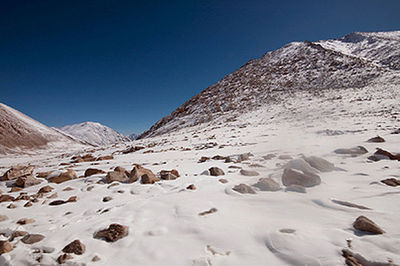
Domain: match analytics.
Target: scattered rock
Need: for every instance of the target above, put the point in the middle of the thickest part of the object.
(15, 189)
(349, 204)
(169, 175)
(133, 149)
(27, 181)
(320, 163)
(53, 196)
(397, 131)
(295, 177)
(383, 155)
(65, 176)
(16, 234)
(244, 157)
(393, 182)
(223, 180)
(107, 198)
(296, 188)
(267, 184)
(113, 233)
(301, 165)
(5, 247)
(146, 175)
(355, 259)
(32, 238)
(105, 158)
(72, 199)
(68, 189)
(43, 174)
(75, 247)
(244, 189)
(5, 198)
(359, 150)
(116, 176)
(96, 258)
(249, 172)
(45, 189)
(215, 171)
(287, 230)
(212, 210)
(93, 171)
(28, 204)
(191, 187)
(376, 139)
(84, 158)
(24, 221)
(17, 171)
(57, 202)
(11, 206)
(362, 223)
(203, 159)
(63, 258)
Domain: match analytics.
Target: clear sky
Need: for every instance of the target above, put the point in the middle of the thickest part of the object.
(127, 64)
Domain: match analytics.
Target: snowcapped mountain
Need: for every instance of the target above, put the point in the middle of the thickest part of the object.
(354, 61)
(133, 136)
(94, 133)
(20, 133)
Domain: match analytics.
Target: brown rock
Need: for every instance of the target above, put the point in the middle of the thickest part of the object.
(5, 198)
(32, 238)
(244, 189)
(16, 234)
(215, 171)
(84, 158)
(17, 171)
(212, 210)
(57, 202)
(68, 189)
(3, 217)
(28, 204)
(53, 196)
(169, 175)
(15, 189)
(45, 189)
(107, 198)
(72, 199)
(96, 258)
(104, 158)
(43, 174)
(63, 258)
(191, 187)
(11, 206)
(393, 182)
(203, 159)
(27, 181)
(75, 247)
(382, 154)
(24, 221)
(362, 223)
(66, 176)
(267, 184)
(113, 233)
(376, 139)
(5, 247)
(295, 177)
(93, 171)
(116, 176)
(138, 172)
(223, 180)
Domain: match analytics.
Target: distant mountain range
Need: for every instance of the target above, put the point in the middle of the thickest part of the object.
(94, 133)
(354, 61)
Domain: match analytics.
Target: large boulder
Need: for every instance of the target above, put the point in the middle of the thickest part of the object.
(116, 176)
(215, 171)
(359, 150)
(27, 181)
(62, 177)
(17, 171)
(362, 223)
(301, 165)
(244, 189)
(113, 233)
(320, 163)
(267, 184)
(296, 177)
(144, 174)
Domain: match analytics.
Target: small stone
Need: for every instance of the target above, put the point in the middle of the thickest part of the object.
(68, 189)
(28, 204)
(169, 174)
(191, 187)
(113, 233)
(104, 158)
(3, 217)
(215, 171)
(376, 139)
(11, 206)
(359, 150)
(203, 159)
(95, 258)
(75, 247)
(72, 199)
(32, 238)
(249, 172)
(63, 258)
(53, 196)
(16, 234)
(5, 198)
(244, 157)
(244, 189)
(45, 189)
(362, 223)
(24, 221)
(287, 231)
(393, 182)
(5, 247)
(107, 198)
(223, 180)
(212, 210)
(57, 202)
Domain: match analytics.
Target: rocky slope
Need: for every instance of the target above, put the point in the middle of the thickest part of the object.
(20, 133)
(354, 61)
(94, 133)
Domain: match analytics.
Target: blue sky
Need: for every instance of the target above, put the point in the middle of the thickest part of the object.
(127, 64)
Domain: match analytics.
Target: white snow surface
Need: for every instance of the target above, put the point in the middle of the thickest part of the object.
(94, 133)
(163, 220)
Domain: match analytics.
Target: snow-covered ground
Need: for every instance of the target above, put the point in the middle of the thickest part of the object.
(165, 227)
